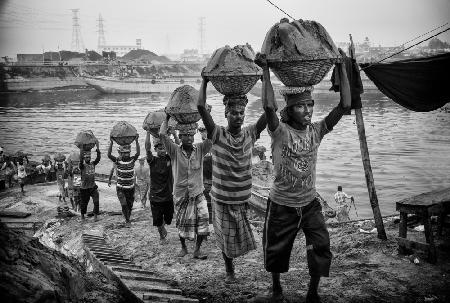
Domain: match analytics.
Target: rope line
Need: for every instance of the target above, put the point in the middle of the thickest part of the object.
(406, 49)
(281, 10)
(424, 34)
(417, 37)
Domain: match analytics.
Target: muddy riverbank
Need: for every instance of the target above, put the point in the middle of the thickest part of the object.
(364, 268)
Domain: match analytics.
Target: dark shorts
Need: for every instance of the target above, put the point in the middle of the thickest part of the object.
(126, 196)
(162, 212)
(85, 195)
(280, 230)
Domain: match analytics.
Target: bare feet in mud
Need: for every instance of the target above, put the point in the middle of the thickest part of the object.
(314, 298)
(183, 252)
(230, 278)
(270, 297)
(199, 255)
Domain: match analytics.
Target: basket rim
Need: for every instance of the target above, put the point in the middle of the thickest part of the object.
(276, 60)
(211, 75)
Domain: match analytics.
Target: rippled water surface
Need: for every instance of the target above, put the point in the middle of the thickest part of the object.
(409, 151)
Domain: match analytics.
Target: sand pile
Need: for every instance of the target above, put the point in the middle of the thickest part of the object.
(236, 60)
(298, 40)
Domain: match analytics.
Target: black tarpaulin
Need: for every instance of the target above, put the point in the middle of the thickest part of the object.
(421, 84)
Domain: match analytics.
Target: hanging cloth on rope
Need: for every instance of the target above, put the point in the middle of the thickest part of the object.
(420, 84)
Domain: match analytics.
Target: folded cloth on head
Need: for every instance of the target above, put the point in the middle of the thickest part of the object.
(187, 129)
(124, 149)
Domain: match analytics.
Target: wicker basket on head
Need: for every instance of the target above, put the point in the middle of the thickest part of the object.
(85, 140)
(239, 84)
(301, 72)
(123, 133)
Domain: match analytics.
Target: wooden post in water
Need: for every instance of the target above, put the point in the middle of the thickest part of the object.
(366, 163)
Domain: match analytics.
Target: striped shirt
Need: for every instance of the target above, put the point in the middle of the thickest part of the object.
(232, 165)
(125, 173)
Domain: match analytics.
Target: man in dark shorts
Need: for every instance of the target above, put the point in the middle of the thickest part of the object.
(293, 203)
(88, 187)
(161, 186)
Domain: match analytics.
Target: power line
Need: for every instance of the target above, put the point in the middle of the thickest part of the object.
(201, 30)
(281, 10)
(441, 32)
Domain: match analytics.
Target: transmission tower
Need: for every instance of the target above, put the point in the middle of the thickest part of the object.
(101, 32)
(77, 40)
(167, 44)
(201, 31)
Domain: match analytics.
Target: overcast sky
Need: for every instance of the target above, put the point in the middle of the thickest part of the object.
(170, 26)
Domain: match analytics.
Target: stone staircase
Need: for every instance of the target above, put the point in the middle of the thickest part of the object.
(143, 285)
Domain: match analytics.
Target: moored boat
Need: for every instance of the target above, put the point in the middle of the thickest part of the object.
(111, 85)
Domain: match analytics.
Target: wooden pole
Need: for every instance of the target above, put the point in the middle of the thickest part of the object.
(367, 167)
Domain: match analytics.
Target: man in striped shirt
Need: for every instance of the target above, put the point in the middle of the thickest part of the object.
(125, 176)
(231, 176)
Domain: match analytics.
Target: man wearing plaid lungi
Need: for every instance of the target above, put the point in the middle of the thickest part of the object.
(187, 167)
(231, 177)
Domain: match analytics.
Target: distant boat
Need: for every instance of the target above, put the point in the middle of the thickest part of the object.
(111, 85)
(21, 84)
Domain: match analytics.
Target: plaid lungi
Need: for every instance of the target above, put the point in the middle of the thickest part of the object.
(61, 187)
(192, 217)
(234, 235)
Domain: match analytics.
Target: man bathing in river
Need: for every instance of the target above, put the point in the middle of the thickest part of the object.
(292, 203)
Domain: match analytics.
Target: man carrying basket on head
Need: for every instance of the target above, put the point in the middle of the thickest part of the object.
(231, 176)
(187, 167)
(293, 203)
(88, 187)
(125, 176)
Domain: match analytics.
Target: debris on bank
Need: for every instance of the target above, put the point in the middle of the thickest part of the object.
(31, 272)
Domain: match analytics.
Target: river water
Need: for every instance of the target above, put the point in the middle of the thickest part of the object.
(409, 151)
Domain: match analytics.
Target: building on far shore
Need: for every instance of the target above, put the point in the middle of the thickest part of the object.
(120, 50)
(193, 56)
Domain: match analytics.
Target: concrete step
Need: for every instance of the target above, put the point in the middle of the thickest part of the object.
(114, 259)
(145, 278)
(117, 262)
(153, 288)
(153, 296)
(100, 247)
(107, 254)
(92, 242)
(92, 237)
(146, 286)
(136, 271)
(131, 266)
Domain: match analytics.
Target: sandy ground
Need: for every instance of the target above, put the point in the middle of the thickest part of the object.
(364, 268)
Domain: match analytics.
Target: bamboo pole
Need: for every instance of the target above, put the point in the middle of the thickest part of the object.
(366, 164)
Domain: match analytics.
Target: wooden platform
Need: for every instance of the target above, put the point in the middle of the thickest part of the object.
(433, 203)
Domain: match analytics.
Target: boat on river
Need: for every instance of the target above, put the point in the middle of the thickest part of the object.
(128, 85)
